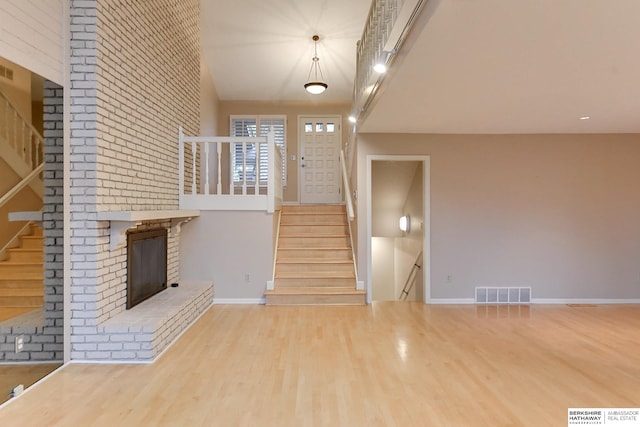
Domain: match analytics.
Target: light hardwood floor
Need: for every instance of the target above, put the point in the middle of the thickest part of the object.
(13, 375)
(386, 364)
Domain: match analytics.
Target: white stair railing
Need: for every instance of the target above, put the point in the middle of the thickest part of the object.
(20, 134)
(21, 146)
(386, 27)
(207, 181)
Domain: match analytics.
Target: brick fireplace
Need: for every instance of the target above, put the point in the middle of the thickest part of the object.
(122, 170)
(140, 334)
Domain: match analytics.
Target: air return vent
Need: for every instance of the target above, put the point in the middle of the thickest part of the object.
(5, 72)
(503, 295)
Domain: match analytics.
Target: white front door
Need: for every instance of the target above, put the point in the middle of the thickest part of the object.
(319, 147)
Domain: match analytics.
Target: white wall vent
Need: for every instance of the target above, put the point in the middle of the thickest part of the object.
(503, 295)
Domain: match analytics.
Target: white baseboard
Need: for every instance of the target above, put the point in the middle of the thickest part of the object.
(451, 301)
(219, 301)
(543, 301)
(584, 301)
(30, 362)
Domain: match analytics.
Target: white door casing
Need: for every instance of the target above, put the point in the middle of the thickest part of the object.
(319, 149)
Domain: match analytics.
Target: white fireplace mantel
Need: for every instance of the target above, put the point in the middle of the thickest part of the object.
(121, 221)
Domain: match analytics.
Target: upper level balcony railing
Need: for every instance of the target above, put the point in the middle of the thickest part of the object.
(230, 173)
(386, 27)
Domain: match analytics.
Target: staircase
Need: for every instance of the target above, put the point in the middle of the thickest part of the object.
(314, 261)
(21, 276)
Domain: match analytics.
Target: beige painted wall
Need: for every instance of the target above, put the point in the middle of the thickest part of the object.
(233, 249)
(33, 36)
(383, 286)
(209, 101)
(19, 89)
(560, 213)
(410, 244)
(292, 111)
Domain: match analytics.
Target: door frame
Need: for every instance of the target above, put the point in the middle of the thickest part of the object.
(426, 229)
(299, 137)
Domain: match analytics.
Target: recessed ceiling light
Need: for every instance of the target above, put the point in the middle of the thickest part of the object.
(585, 117)
(380, 68)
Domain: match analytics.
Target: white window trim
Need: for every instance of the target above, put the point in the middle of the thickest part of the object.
(259, 119)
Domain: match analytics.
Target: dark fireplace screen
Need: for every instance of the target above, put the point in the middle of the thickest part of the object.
(146, 265)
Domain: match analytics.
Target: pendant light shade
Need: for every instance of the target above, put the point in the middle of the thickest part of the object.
(315, 85)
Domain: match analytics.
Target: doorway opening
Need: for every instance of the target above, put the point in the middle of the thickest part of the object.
(398, 256)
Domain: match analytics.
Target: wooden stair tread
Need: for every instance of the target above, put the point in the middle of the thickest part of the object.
(13, 276)
(307, 272)
(21, 292)
(306, 235)
(308, 275)
(20, 263)
(307, 290)
(316, 248)
(313, 261)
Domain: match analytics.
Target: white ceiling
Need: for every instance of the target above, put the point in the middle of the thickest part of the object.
(516, 66)
(262, 49)
(469, 66)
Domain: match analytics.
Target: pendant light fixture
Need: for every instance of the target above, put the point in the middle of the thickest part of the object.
(314, 85)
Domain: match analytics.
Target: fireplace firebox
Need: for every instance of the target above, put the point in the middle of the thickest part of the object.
(146, 265)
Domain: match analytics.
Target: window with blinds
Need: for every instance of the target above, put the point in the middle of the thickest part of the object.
(243, 161)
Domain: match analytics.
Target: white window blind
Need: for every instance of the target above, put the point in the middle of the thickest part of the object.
(244, 162)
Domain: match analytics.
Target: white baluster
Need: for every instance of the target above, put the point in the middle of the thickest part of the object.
(258, 155)
(194, 153)
(219, 184)
(206, 168)
(180, 161)
(244, 168)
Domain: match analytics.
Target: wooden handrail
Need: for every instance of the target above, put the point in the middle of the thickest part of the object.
(19, 186)
(347, 187)
(14, 240)
(408, 285)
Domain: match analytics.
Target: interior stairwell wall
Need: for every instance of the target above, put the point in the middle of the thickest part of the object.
(558, 213)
